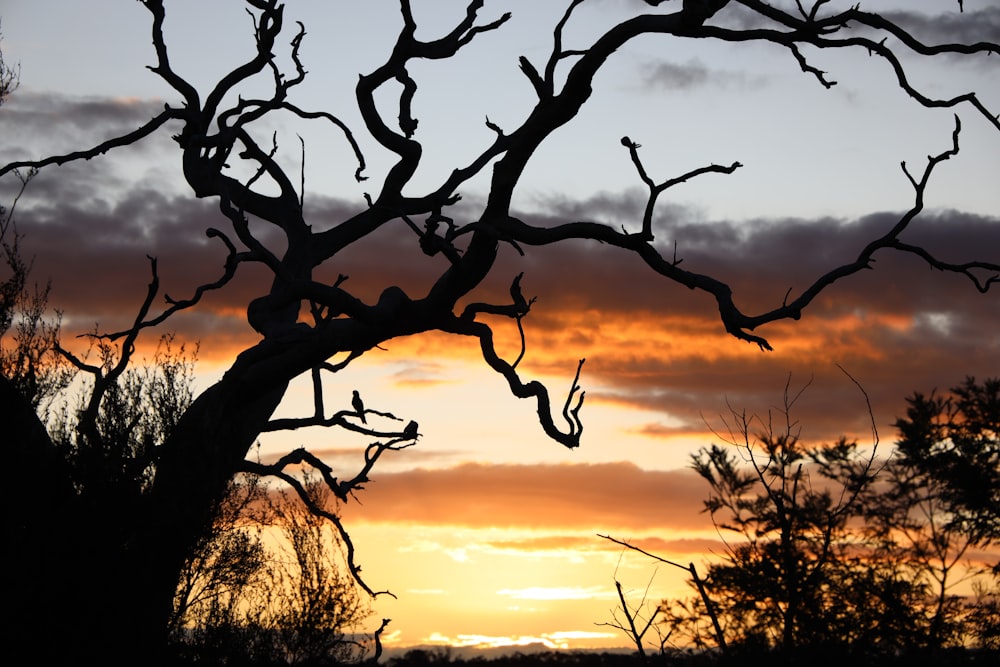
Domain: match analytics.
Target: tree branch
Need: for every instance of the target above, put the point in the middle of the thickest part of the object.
(124, 140)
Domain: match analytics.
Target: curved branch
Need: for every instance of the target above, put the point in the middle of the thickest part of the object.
(734, 320)
(533, 389)
(965, 268)
(888, 240)
(408, 47)
(266, 32)
(163, 68)
(358, 174)
(655, 189)
(841, 21)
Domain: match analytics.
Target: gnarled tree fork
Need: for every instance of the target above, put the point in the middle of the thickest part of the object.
(308, 326)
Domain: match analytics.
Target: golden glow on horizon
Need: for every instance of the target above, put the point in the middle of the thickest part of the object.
(532, 588)
(555, 640)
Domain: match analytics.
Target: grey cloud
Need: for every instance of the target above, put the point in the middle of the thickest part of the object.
(980, 25)
(74, 211)
(970, 26)
(738, 17)
(691, 74)
(51, 123)
(695, 74)
(762, 259)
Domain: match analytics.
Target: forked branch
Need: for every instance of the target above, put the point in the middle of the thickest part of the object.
(695, 579)
(655, 189)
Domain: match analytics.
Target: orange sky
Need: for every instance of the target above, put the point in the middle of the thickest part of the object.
(486, 530)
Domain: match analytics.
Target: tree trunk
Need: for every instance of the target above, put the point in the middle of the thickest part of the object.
(199, 458)
(95, 573)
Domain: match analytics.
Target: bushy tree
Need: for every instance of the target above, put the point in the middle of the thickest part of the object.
(784, 509)
(831, 547)
(950, 445)
(940, 497)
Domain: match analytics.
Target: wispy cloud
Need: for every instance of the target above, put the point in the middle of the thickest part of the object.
(420, 374)
(590, 497)
(694, 74)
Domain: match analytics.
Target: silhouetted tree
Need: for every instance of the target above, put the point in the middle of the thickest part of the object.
(313, 325)
(222, 575)
(952, 443)
(836, 549)
(267, 585)
(940, 498)
(788, 573)
(27, 339)
(236, 600)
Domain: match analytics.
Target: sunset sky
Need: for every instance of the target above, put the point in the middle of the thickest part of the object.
(487, 531)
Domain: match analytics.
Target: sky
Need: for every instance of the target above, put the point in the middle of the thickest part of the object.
(486, 531)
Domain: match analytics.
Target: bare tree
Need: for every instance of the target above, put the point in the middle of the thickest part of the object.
(309, 326)
(632, 630)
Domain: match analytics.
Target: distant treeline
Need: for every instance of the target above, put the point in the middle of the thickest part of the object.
(832, 656)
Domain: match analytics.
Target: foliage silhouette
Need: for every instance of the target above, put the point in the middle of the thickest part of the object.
(283, 600)
(943, 501)
(237, 602)
(837, 550)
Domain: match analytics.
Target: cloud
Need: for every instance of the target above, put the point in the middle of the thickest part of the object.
(524, 643)
(694, 74)
(679, 547)
(979, 25)
(421, 374)
(547, 543)
(650, 343)
(51, 123)
(591, 497)
(970, 26)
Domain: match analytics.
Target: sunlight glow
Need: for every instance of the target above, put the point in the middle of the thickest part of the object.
(557, 593)
(551, 640)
